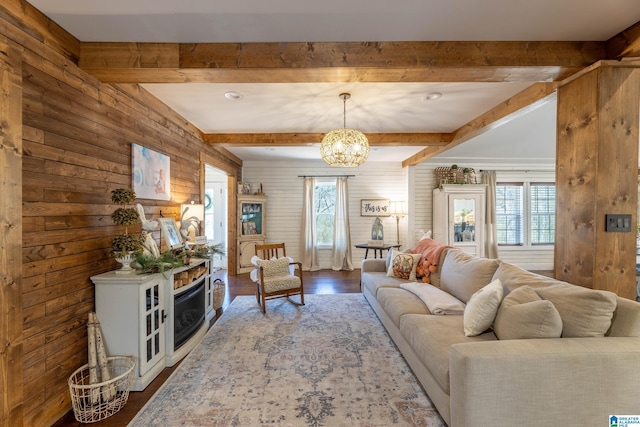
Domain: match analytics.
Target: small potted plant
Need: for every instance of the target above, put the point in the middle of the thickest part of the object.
(125, 244)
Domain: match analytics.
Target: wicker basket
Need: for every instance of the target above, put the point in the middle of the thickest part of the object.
(446, 175)
(219, 290)
(121, 372)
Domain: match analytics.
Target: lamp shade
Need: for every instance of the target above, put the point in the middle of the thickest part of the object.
(398, 209)
(345, 148)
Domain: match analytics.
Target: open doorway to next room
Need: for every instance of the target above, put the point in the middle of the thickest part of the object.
(215, 212)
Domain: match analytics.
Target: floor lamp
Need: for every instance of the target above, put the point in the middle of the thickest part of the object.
(398, 210)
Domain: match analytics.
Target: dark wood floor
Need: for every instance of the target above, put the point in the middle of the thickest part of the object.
(317, 282)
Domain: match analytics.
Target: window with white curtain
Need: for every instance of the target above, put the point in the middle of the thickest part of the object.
(525, 213)
(325, 208)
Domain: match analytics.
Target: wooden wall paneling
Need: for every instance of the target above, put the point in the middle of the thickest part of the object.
(597, 161)
(617, 185)
(12, 353)
(28, 18)
(76, 149)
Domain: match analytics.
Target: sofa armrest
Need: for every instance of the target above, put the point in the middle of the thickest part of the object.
(563, 381)
(373, 265)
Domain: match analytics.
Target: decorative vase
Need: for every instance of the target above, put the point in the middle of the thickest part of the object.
(126, 264)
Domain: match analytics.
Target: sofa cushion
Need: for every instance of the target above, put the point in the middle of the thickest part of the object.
(437, 301)
(397, 302)
(523, 314)
(462, 274)
(481, 309)
(403, 265)
(375, 280)
(512, 277)
(431, 338)
(584, 312)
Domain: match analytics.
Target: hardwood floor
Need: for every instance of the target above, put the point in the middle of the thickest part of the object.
(317, 282)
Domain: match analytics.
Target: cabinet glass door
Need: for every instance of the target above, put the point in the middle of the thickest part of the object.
(464, 220)
(153, 336)
(252, 216)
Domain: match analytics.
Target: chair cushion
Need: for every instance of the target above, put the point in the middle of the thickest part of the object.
(275, 267)
(281, 283)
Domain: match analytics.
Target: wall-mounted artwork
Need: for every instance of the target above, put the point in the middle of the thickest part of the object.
(151, 173)
(374, 207)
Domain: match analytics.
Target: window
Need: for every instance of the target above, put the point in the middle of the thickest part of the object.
(509, 214)
(325, 207)
(543, 213)
(525, 213)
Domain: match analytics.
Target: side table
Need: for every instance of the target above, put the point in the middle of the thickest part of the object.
(366, 247)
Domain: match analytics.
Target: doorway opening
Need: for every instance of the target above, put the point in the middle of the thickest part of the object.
(215, 212)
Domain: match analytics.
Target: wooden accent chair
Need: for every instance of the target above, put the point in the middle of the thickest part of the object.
(275, 277)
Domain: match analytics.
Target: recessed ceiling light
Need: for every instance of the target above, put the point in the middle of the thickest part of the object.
(432, 96)
(234, 96)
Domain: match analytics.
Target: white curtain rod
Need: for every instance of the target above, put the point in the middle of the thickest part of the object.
(325, 176)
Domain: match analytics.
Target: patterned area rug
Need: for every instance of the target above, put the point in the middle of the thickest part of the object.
(328, 363)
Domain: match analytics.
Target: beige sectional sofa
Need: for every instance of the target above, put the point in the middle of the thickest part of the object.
(590, 371)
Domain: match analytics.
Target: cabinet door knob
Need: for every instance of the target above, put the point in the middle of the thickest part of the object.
(164, 316)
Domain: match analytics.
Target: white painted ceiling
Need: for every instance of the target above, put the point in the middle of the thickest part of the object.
(379, 107)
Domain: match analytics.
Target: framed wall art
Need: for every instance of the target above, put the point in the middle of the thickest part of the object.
(170, 233)
(374, 207)
(151, 173)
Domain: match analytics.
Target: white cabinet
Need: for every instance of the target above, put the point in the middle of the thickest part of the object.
(140, 315)
(459, 216)
(131, 311)
(252, 222)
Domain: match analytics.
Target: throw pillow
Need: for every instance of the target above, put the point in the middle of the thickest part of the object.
(482, 308)
(585, 312)
(403, 265)
(274, 267)
(523, 315)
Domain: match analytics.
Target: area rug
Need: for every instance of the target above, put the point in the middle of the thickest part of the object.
(327, 363)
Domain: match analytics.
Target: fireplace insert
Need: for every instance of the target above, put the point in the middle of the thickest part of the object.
(189, 314)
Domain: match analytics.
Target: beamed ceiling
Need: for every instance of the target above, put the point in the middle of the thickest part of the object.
(289, 61)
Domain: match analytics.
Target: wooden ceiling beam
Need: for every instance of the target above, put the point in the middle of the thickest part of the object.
(625, 44)
(337, 62)
(301, 139)
(519, 104)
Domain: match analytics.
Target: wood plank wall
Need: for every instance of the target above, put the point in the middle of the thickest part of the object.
(77, 136)
(11, 353)
(597, 154)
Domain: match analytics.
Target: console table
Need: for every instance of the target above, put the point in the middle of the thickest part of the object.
(366, 247)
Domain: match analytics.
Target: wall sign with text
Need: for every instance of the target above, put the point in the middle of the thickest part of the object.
(374, 207)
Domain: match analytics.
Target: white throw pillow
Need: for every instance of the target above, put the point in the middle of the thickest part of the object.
(482, 308)
(403, 265)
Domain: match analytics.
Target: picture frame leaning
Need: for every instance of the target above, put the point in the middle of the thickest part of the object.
(171, 233)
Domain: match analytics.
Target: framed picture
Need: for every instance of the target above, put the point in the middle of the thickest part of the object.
(151, 173)
(170, 233)
(244, 188)
(374, 207)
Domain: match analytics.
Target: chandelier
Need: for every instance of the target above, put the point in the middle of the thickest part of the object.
(344, 148)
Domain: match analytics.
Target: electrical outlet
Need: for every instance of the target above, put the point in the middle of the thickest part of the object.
(618, 223)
